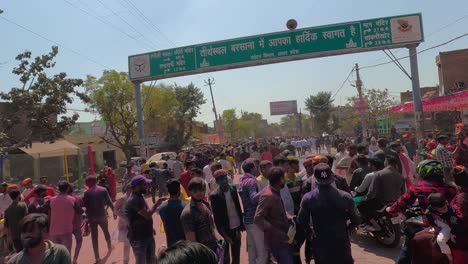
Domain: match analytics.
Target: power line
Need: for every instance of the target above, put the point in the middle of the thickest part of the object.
(128, 24)
(55, 42)
(150, 22)
(339, 89)
(421, 51)
(107, 23)
(132, 11)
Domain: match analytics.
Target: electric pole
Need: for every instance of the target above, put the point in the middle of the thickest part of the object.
(209, 82)
(359, 88)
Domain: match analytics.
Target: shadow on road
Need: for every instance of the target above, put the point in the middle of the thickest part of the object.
(369, 244)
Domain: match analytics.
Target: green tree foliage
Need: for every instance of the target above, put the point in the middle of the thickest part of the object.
(190, 99)
(112, 96)
(229, 121)
(244, 126)
(32, 111)
(379, 101)
(319, 107)
(159, 108)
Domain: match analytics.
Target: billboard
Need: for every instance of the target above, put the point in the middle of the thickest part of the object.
(283, 107)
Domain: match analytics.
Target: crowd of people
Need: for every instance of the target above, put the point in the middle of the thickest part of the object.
(280, 205)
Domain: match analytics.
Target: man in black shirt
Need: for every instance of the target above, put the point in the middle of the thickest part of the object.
(140, 221)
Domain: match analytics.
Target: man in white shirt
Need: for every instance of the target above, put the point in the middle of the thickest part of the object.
(207, 170)
(5, 199)
(226, 165)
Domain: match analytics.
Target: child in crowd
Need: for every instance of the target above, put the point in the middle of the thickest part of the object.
(442, 217)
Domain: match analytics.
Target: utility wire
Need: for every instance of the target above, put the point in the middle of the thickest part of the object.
(108, 24)
(339, 89)
(55, 42)
(150, 22)
(128, 24)
(134, 13)
(397, 62)
(421, 51)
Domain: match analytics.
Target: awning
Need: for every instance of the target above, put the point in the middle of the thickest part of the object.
(453, 102)
(47, 150)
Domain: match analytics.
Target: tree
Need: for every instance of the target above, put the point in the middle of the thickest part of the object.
(112, 96)
(379, 101)
(290, 124)
(320, 106)
(159, 105)
(190, 100)
(250, 124)
(31, 112)
(229, 122)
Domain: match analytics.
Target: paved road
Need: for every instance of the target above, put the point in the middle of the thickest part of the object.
(364, 248)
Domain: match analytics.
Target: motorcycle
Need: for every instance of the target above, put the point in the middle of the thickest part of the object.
(390, 232)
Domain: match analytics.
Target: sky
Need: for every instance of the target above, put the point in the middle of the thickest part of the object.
(93, 35)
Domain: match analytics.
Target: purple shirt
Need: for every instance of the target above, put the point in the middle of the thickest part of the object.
(95, 200)
(248, 188)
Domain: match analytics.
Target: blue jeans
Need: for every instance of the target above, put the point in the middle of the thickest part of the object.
(144, 250)
(282, 253)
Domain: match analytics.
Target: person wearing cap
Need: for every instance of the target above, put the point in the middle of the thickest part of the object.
(227, 215)
(444, 156)
(95, 200)
(140, 221)
(170, 212)
(62, 212)
(328, 209)
(271, 218)
(28, 187)
(5, 199)
(248, 190)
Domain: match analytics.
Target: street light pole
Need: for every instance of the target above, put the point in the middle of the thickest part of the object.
(141, 135)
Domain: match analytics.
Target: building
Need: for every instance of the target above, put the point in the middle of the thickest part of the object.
(453, 73)
(91, 133)
(426, 93)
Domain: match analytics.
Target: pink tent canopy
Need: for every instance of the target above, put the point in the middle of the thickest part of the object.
(453, 102)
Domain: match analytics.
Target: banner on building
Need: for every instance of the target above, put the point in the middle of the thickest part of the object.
(452, 102)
